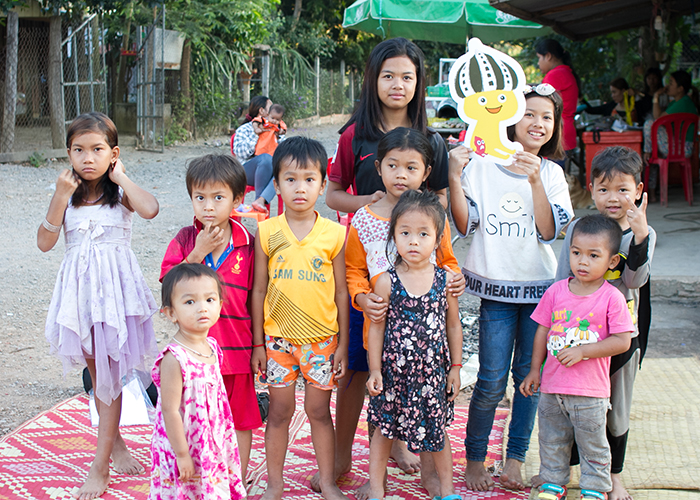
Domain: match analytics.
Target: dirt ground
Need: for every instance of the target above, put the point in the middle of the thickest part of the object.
(31, 379)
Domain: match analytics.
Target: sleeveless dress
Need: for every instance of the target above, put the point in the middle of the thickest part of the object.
(209, 431)
(415, 361)
(101, 306)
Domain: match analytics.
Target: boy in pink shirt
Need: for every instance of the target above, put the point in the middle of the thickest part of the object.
(583, 321)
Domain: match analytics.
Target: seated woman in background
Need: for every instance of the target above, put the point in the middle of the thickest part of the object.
(685, 100)
(619, 89)
(653, 81)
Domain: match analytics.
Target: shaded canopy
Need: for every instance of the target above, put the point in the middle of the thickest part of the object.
(582, 19)
(452, 21)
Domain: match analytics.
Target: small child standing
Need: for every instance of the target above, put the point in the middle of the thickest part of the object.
(194, 450)
(272, 130)
(416, 349)
(300, 310)
(616, 172)
(583, 321)
(100, 312)
(216, 184)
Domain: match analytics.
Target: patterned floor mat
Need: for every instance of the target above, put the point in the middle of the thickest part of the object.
(48, 456)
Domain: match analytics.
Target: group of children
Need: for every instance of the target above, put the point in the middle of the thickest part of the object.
(276, 306)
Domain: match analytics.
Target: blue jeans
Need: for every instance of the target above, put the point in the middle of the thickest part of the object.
(563, 418)
(505, 331)
(258, 171)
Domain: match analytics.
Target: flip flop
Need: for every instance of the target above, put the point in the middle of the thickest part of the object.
(593, 495)
(452, 497)
(549, 491)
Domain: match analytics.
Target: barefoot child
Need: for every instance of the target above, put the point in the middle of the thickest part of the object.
(582, 322)
(516, 212)
(100, 312)
(616, 174)
(194, 450)
(416, 349)
(216, 184)
(300, 310)
(403, 164)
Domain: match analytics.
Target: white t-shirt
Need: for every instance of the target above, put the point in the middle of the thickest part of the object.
(508, 261)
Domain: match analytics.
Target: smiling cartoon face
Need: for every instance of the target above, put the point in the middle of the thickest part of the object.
(494, 105)
(512, 205)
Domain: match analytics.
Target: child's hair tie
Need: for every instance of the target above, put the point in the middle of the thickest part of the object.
(258, 345)
(456, 364)
(50, 227)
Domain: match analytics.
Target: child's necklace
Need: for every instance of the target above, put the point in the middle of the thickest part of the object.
(196, 352)
(94, 201)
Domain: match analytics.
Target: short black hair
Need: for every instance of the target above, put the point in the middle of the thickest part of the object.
(277, 108)
(302, 151)
(616, 160)
(224, 169)
(600, 225)
(183, 272)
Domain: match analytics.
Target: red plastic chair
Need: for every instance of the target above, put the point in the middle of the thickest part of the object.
(676, 125)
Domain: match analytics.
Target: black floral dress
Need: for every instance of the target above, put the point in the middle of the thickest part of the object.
(415, 361)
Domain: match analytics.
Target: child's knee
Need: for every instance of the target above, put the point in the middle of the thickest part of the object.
(316, 412)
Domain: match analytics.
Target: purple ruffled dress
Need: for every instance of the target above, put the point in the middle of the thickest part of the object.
(101, 306)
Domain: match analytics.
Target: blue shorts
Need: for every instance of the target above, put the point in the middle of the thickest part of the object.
(357, 354)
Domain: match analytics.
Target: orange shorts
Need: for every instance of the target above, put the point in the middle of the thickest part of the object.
(285, 361)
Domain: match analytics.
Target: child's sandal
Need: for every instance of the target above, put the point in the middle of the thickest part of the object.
(452, 497)
(549, 491)
(593, 495)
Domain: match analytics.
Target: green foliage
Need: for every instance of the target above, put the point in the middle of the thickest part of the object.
(37, 159)
(298, 104)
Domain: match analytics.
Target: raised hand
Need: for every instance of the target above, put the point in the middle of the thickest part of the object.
(117, 171)
(637, 218)
(528, 164)
(459, 158)
(209, 239)
(67, 182)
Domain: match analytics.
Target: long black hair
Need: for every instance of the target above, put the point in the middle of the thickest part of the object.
(551, 46)
(368, 118)
(100, 124)
(553, 148)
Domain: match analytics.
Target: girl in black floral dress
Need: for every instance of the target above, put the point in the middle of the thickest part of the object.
(414, 354)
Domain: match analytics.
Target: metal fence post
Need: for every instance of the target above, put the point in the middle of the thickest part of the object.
(342, 86)
(318, 86)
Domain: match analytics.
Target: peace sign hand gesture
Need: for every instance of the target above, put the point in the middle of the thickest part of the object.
(637, 218)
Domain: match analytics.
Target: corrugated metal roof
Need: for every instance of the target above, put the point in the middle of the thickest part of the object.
(581, 19)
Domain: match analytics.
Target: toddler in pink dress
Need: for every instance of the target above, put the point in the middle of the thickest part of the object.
(194, 448)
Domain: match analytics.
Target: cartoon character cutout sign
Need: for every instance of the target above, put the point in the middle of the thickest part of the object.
(488, 88)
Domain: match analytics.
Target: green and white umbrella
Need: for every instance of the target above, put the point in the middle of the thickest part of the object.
(452, 21)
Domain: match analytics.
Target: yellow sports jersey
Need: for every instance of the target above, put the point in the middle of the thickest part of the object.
(300, 302)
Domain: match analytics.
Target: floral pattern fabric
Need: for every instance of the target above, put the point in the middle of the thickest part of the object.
(209, 430)
(415, 361)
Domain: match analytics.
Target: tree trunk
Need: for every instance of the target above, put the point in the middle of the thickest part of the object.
(297, 13)
(58, 119)
(185, 85)
(7, 138)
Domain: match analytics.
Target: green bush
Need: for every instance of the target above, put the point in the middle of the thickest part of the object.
(297, 104)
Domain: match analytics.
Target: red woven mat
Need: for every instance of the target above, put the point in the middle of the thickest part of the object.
(48, 457)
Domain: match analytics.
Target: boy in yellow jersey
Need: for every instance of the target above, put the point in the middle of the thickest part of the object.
(300, 310)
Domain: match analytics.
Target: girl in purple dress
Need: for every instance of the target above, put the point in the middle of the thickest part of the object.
(415, 353)
(100, 312)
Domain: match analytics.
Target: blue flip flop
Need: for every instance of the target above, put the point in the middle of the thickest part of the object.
(452, 497)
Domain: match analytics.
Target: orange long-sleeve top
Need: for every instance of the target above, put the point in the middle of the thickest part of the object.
(366, 257)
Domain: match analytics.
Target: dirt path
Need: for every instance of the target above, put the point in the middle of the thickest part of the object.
(31, 379)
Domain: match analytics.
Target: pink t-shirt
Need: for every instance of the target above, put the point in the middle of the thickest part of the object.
(574, 320)
(562, 79)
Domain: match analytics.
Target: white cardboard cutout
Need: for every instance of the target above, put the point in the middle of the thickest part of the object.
(488, 88)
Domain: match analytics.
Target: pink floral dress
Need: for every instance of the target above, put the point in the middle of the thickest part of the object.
(209, 431)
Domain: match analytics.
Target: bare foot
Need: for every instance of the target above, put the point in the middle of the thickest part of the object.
(332, 492)
(272, 493)
(362, 493)
(430, 480)
(93, 487)
(407, 461)
(259, 205)
(340, 469)
(535, 481)
(618, 492)
(511, 477)
(476, 477)
(123, 462)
